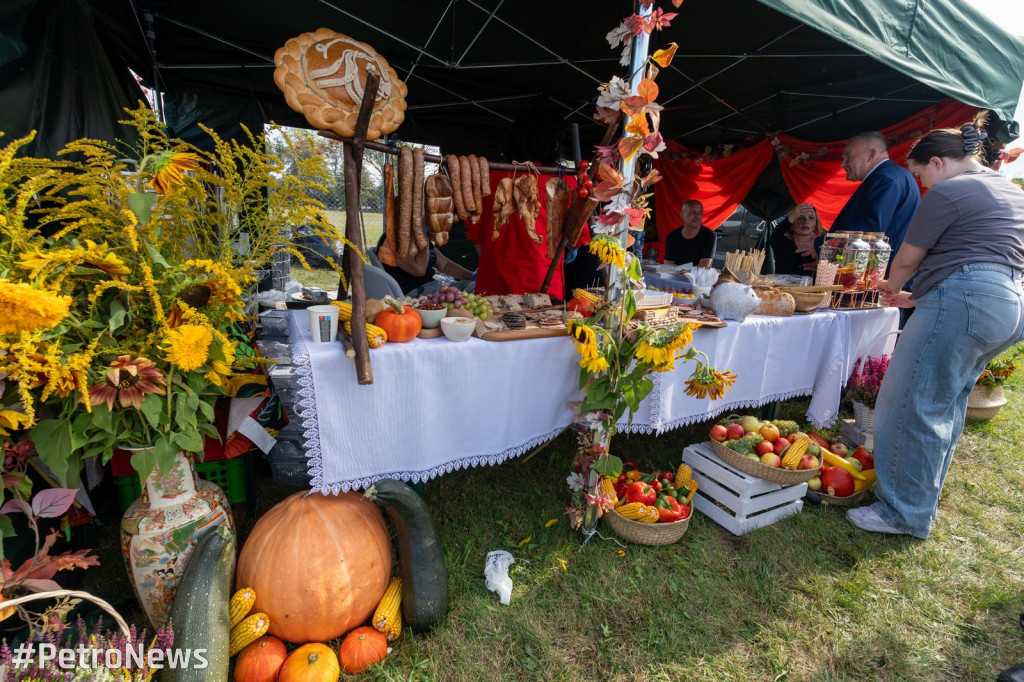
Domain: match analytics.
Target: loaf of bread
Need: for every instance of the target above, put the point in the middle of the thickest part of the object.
(774, 302)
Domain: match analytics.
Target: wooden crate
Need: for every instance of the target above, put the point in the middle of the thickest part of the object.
(735, 500)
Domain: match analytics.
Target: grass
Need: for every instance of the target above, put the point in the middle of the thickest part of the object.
(325, 278)
(809, 598)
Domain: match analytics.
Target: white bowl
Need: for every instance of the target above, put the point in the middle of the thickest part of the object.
(431, 318)
(458, 328)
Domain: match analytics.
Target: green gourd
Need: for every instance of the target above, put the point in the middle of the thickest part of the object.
(200, 612)
(424, 576)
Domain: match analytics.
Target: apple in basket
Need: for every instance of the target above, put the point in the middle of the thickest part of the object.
(764, 447)
(735, 431)
(866, 459)
(773, 460)
(719, 433)
(808, 462)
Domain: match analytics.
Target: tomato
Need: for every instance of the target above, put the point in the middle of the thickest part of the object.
(641, 492)
(656, 484)
(584, 164)
(684, 512)
(669, 475)
(622, 478)
(665, 482)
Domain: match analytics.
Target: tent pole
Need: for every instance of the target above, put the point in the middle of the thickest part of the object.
(158, 104)
(490, 15)
(437, 25)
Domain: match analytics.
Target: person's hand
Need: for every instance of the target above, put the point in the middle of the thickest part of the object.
(800, 210)
(806, 248)
(810, 267)
(899, 300)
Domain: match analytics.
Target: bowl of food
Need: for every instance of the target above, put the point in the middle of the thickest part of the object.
(431, 314)
(458, 328)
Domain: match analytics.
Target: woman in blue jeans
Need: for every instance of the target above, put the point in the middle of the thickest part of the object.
(966, 242)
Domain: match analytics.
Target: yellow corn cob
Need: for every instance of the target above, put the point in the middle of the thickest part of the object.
(692, 486)
(652, 515)
(585, 295)
(375, 336)
(683, 474)
(241, 604)
(791, 458)
(608, 488)
(388, 616)
(248, 631)
(344, 309)
(634, 511)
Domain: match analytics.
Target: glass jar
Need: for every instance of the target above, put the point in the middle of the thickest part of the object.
(828, 257)
(881, 252)
(854, 262)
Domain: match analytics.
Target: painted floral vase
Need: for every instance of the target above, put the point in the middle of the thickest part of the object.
(160, 530)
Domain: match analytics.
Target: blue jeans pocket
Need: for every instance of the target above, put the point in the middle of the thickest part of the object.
(990, 318)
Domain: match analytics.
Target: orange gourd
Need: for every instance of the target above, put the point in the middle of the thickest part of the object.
(311, 663)
(260, 661)
(319, 565)
(362, 648)
(401, 323)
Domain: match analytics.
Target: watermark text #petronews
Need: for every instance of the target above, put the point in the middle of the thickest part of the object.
(133, 655)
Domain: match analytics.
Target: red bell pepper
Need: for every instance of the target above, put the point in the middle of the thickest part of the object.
(641, 492)
(620, 490)
(669, 509)
(656, 484)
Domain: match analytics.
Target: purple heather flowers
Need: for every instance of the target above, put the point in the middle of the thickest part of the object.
(867, 379)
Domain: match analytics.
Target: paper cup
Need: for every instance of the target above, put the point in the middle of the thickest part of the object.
(323, 323)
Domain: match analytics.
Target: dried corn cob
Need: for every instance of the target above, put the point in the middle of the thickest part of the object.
(683, 474)
(652, 515)
(634, 511)
(388, 616)
(692, 486)
(791, 458)
(375, 336)
(241, 604)
(608, 488)
(248, 631)
(585, 295)
(344, 309)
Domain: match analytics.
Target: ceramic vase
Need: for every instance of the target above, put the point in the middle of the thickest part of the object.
(160, 530)
(985, 402)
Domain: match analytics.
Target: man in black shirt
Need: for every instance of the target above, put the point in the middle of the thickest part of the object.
(691, 243)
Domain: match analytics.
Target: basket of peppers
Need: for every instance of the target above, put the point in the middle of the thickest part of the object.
(652, 509)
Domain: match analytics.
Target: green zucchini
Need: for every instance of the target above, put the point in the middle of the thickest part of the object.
(200, 611)
(424, 576)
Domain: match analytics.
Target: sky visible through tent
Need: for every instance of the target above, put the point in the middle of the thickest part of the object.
(1010, 15)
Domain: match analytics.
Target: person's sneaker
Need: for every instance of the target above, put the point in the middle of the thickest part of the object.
(866, 518)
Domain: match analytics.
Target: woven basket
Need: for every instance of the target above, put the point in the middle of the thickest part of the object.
(865, 418)
(646, 533)
(985, 402)
(749, 466)
(844, 501)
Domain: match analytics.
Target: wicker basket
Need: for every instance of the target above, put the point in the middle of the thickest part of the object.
(646, 533)
(844, 501)
(749, 466)
(865, 418)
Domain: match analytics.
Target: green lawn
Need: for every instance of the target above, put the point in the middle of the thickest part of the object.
(373, 227)
(809, 598)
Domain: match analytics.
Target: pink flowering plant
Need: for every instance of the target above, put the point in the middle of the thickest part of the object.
(867, 379)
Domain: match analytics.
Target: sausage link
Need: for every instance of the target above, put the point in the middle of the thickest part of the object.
(455, 171)
(405, 202)
(485, 175)
(386, 253)
(417, 199)
(467, 185)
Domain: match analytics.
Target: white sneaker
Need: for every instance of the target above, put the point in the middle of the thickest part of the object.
(866, 518)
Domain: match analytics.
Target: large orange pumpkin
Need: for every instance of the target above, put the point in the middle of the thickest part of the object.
(319, 565)
(311, 663)
(401, 323)
(260, 661)
(362, 648)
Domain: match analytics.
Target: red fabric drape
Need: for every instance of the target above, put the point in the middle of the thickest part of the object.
(720, 184)
(811, 169)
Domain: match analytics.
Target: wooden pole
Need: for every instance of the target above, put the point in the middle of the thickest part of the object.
(353, 261)
(578, 204)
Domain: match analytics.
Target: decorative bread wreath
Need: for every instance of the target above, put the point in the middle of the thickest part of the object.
(323, 75)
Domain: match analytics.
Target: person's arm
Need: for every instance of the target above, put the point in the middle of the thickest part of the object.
(452, 268)
(902, 268)
(710, 257)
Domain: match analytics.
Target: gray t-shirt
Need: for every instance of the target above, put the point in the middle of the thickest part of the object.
(974, 217)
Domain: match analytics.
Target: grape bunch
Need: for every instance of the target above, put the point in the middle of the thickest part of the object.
(479, 306)
(449, 297)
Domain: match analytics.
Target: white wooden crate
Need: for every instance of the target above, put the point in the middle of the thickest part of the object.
(750, 502)
(853, 437)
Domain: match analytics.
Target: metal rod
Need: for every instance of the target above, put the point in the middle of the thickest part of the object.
(547, 49)
(516, 65)
(475, 101)
(464, 99)
(727, 116)
(577, 156)
(211, 36)
(770, 55)
(437, 25)
(844, 109)
(423, 51)
(174, 67)
(490, 15)
(858, 97)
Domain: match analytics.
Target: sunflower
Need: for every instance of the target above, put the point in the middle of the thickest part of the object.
(169, 169)
(609, 250)
(127, 382)
(11, 420)
(188, 346)
(220, 370)
(708, 382)
(595, 364)
(585, 339)
(100, 256)
(24, 309)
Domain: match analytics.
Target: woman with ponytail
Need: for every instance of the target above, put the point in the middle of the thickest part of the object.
(966, 242)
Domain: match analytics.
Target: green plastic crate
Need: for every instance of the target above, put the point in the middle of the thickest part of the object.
(227, 474)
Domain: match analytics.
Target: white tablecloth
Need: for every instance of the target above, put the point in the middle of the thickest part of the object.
(436, 406)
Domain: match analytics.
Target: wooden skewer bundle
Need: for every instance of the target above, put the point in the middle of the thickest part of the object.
(750, 260)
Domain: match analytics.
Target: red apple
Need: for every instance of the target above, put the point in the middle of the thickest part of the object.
(808, 462)
(773, 460)
(780, 445)
(719, 433)
(818, 439)
(769, 431)
(839, 449)
(735, 431)
(764, 447)
(866, 459)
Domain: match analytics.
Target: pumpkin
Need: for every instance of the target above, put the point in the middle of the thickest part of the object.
(260, 661)
(400, 322)
(311, 663)
(362, 648)
(319, 565)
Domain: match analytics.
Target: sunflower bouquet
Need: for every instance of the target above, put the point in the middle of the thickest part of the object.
(122, 277)
(617, 355)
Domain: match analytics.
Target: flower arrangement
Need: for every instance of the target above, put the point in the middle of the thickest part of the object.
(122, 273)
(1000, 370)
(616, 352)
(867, 379)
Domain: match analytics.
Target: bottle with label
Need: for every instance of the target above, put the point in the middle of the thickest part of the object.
(855, 262)
(881, 252)
(829, 259)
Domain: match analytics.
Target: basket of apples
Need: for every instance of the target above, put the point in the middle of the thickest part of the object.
(776, 451)
(652, 509)
(845, 477)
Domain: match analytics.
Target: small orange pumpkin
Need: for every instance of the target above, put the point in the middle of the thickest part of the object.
(261, 660)
(362, 648)
(401, 323)
(311, 663)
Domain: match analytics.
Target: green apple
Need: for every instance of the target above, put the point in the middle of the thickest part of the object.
(750, 424)
(814, 483)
